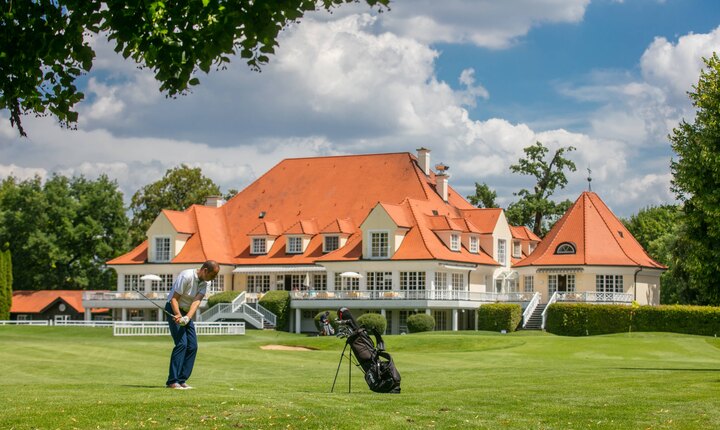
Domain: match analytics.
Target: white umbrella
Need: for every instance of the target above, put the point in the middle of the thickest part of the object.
(351, 275)
(151, 278)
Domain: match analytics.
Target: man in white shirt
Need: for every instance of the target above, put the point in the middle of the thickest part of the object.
(187, 291)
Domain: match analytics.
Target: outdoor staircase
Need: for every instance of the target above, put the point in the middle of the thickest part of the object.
(252, 313)
(535, 320)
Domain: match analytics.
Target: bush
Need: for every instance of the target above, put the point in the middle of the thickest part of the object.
(331, 317)
(499, 317)
(372, 321)
(224, 297)
(583, 319)
(417, 323)
(278, 302)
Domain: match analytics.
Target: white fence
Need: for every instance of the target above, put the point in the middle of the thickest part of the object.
(157, 328)
(25, 322)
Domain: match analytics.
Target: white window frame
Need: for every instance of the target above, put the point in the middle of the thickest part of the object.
(610, 283)
(378, 249)
(259, 246)
(320, 281)
(457, 281)
(565, 248)
(258, 283)
(346, 284)
(379, 281)
(335, 238)
(294, 245)
(529, 283)
(159, 252)
(441, 280)
(517, 249)
(502, 251)
(412, 281)
(131, 282)
(454, 242)
(474, 244)
(164, 285)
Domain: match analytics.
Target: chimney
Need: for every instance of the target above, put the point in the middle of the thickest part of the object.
(441, 180)
(214, 201)
(423, 156)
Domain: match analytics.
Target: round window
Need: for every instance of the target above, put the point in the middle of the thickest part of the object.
(62, 307)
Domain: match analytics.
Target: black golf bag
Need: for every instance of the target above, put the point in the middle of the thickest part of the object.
(378, 366)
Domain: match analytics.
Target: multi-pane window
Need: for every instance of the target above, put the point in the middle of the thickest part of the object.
(455, 242)
(529, 282)
(458, 281)
(609, 283)
(552, 283)
(331, 243)
(346, 284)
(512, 286)
(320, 281)
(379, 244)
(259, 245)
(474, 244)
(517, 249)
(441, 280)
(565, 248)
(412, 281)
(379, 281)
(165, 284)
(570, 283)
(295, 245)
(561, 283)
(441, 320)
(502, 251)
(132, 282)
(258, 283)
(297, 282)
(162, 249)
(217, 285)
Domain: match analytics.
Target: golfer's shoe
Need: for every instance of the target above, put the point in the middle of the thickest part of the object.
(185, 386)
(175, 386)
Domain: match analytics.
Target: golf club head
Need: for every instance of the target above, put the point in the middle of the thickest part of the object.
(345, 316)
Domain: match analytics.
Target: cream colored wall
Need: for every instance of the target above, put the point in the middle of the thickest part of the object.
(648, 289)
(502, 231)
(379, 220)
(162, 227)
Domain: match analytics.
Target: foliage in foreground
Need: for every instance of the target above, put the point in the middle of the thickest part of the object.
(583, 319)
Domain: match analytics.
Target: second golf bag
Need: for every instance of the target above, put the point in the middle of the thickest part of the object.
(378, 366)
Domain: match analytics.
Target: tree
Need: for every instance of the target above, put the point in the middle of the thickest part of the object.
(696, 181)
(535, 209)
(484, 197)
(177, 190)
(63, 231)
(44, 44)
(5, 284)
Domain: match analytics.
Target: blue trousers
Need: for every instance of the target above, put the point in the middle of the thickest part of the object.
(183, 354)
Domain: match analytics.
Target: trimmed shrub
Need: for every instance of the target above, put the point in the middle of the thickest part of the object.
(278, 302)
(499, 317)
(418, 323)
(372, 321)
(332, 317)
(224, 297)
(584, 319)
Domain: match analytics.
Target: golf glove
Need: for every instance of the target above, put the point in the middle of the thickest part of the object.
(184, 321)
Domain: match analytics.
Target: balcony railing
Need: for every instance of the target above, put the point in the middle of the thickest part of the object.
(412, 295)
(594, 297)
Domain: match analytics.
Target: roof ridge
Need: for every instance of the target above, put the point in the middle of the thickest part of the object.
(347, 156)
(622, 248)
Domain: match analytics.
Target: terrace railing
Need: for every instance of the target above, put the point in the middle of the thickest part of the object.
(412, 295)
(595, 297)
(270, 317)
(158, 328)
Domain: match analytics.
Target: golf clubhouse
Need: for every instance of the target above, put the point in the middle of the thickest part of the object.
(382, 233)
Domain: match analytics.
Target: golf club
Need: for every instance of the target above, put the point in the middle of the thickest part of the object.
(156, 305)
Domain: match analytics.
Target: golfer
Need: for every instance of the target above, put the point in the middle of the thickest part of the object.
(187, 291)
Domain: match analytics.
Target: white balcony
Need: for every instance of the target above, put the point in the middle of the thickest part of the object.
(594, 297)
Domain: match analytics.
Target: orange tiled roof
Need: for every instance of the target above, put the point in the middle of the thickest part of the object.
(598, 236)
(485, 219)
(337, 192)
(34, 302)
(524, 233)
(304, 227)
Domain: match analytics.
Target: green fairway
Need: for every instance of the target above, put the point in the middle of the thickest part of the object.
(67, 378)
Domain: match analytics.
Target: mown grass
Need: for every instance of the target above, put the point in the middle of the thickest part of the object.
(66, 378)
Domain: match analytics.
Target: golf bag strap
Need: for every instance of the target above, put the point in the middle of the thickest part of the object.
(379, 343)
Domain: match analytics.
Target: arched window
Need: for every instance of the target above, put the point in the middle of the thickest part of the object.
(565, 248)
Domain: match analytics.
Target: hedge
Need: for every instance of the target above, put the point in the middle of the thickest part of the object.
(583, 319)
(418, 323)
(499, 317)
(372, 321)
(277, 302)
(224, 297)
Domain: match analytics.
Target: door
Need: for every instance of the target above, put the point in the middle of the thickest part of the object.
(562, 283)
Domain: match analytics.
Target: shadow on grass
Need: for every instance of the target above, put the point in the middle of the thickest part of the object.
(669, 369)
(145, 386)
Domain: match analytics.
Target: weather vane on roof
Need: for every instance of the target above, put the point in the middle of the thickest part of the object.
(589, 179)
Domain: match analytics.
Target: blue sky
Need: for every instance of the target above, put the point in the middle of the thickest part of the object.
(475, 81)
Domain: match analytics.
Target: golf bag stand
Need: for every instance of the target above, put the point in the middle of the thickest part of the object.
(350, 360)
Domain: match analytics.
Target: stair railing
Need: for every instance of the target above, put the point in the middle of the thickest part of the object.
(253, 316)
(238, 302)
(212, 313)
(552, 300)
(530, 308)
(270, 317)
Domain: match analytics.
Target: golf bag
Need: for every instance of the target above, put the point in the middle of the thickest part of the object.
(378, 366)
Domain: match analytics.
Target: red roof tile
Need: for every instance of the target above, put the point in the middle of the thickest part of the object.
(598, 236)
(33, 302)
(485, 219)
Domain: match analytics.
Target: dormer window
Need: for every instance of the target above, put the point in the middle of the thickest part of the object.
(379, 244)
(259, 245)
(517, 249)
(531, 248)
(474, 244)
(455, 242)
(294, 245)
(565, 248)
(331, 243)
(162, 249)
(501, 251)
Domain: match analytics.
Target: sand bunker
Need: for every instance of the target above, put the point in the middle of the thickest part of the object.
(285, 348)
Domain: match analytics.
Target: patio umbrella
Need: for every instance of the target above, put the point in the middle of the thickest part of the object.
(151, 277)
(351, 275)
